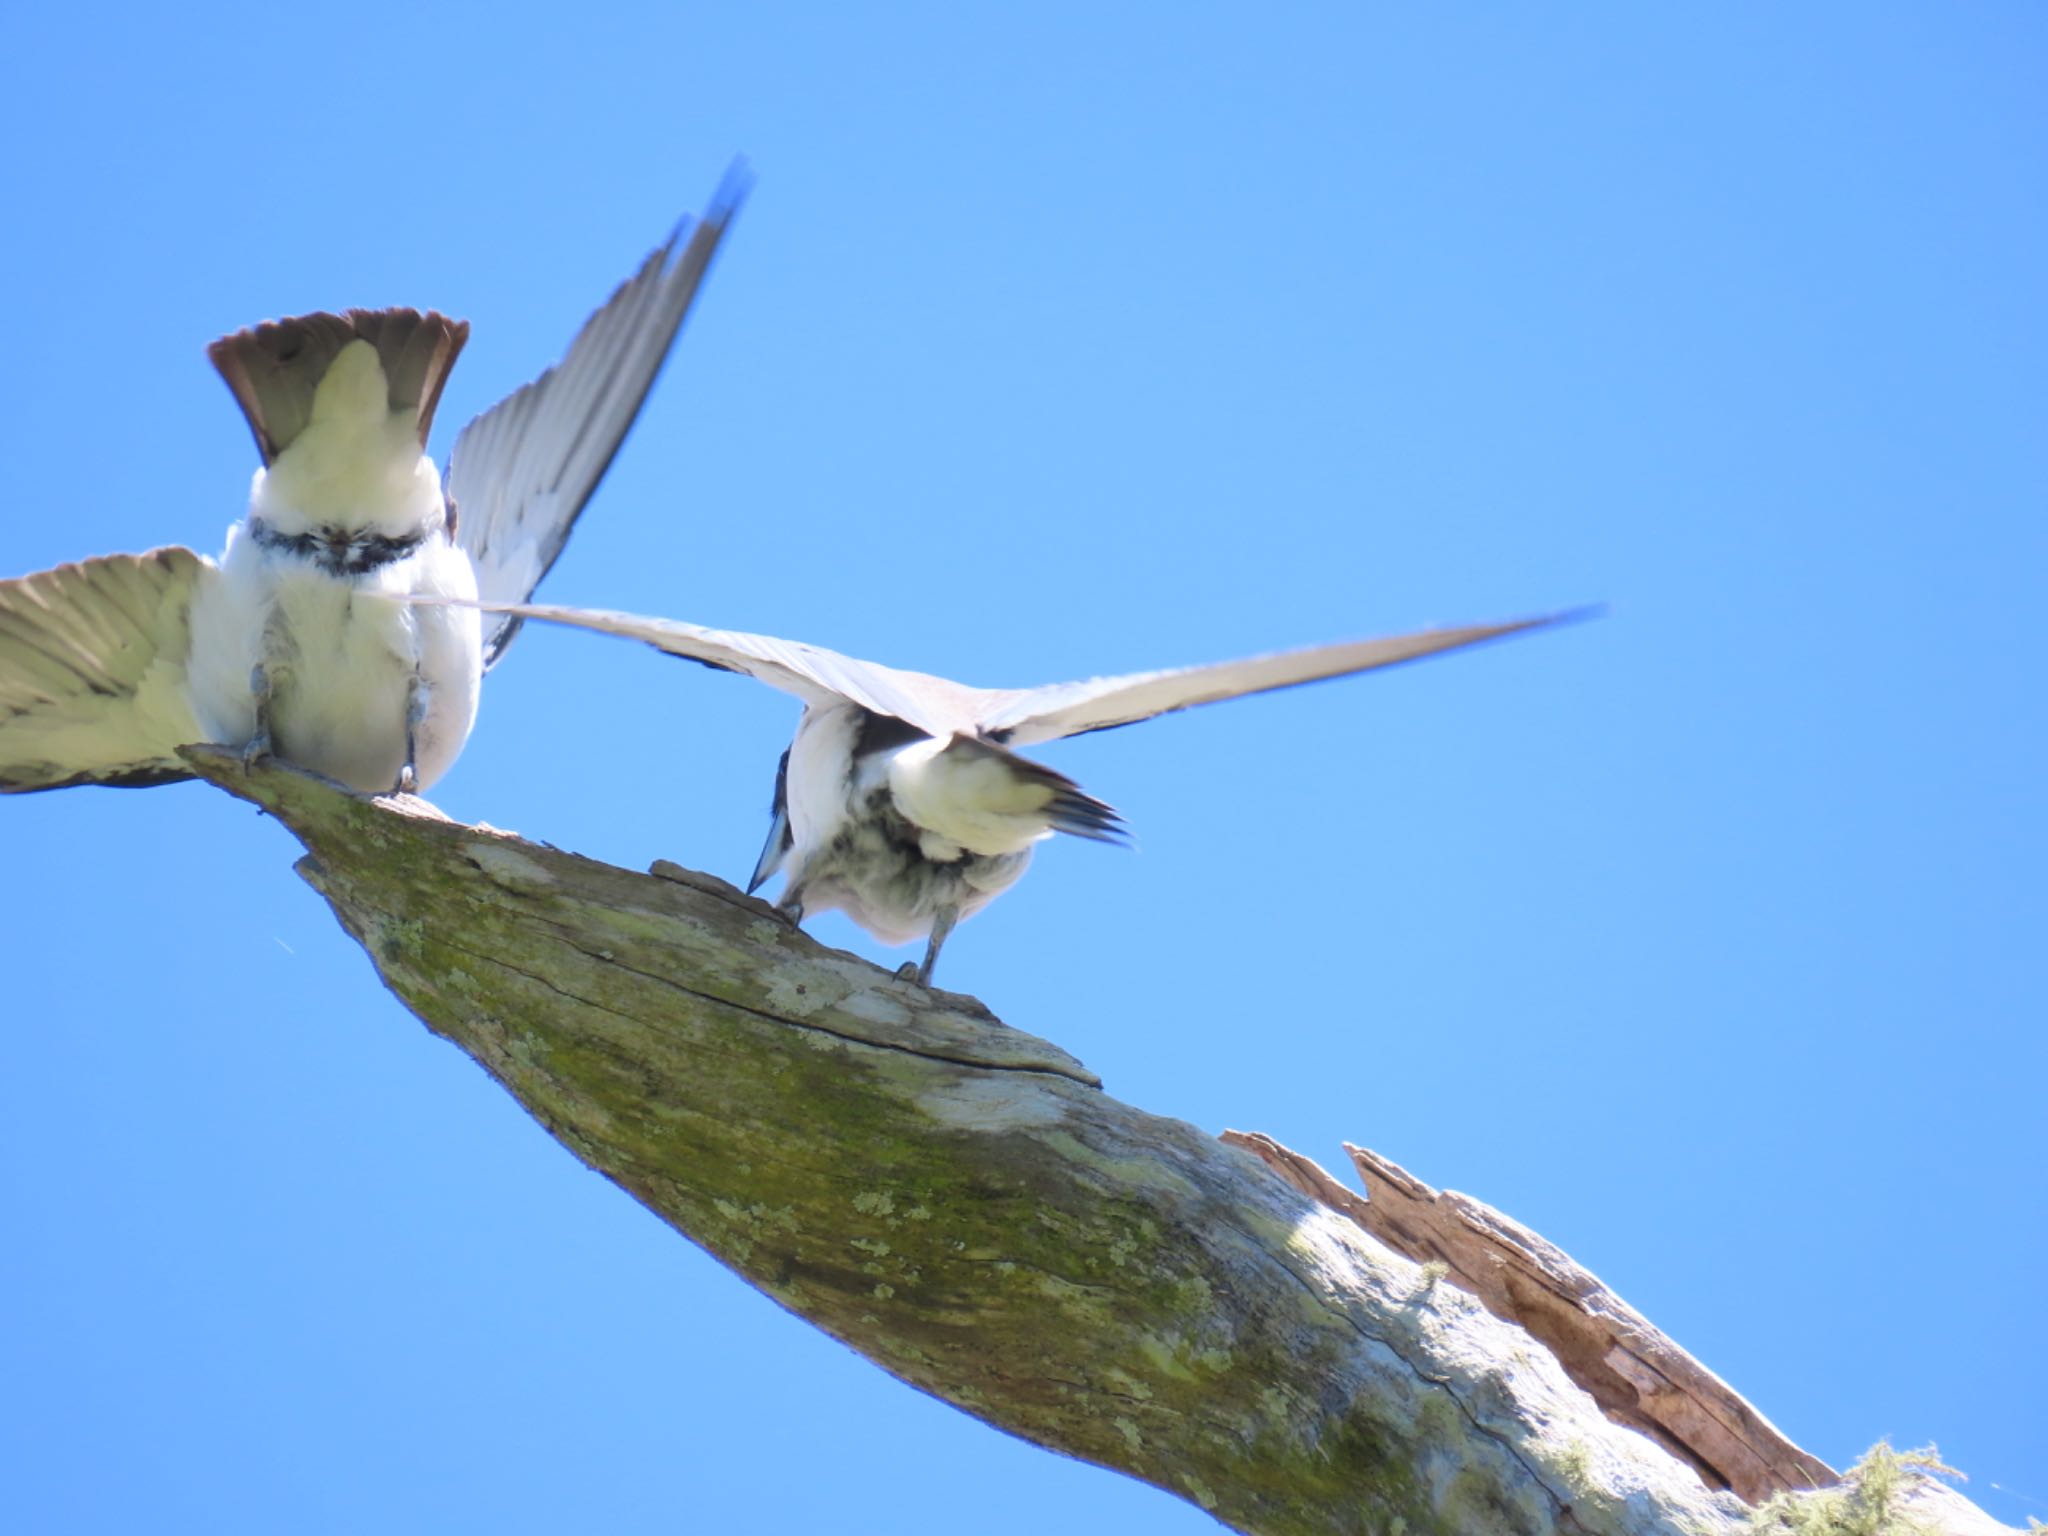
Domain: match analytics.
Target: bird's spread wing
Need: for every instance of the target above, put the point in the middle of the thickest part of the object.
(92, 671)
(1026, 715)
(934, 705)
(1014, 717)
(521, 472)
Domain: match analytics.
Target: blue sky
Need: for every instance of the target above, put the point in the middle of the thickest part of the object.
(1705, 939)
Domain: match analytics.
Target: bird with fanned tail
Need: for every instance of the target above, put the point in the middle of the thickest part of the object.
(108, 666)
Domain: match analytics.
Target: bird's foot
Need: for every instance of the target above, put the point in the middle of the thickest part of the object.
(257, 750)
(408, 781)
(910, 970)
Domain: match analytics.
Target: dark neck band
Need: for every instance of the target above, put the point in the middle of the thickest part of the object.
(338, 551)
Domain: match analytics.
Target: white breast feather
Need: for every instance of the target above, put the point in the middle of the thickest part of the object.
(347, 659)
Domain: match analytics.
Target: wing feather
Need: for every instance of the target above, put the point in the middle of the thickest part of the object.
(935, 705)
(521, 473)
(92, 671)
(1012, 717)
(1023, 716)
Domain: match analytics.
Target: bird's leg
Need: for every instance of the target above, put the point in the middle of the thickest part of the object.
(270, 672)
(258, 746)
(942, 925)
(415, 715)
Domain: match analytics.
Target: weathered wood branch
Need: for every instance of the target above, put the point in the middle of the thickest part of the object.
(1638, 1376)
(964, 1205)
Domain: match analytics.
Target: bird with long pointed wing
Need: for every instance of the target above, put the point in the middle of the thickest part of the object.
(903, 801)
(109, 665)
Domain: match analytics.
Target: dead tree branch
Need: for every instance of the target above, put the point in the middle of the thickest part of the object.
(962, 1203)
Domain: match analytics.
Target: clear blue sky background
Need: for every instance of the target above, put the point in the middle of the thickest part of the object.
(1706, 939)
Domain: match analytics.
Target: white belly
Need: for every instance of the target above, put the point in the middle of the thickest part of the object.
(342, 662)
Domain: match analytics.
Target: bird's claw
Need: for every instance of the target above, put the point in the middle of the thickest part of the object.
(408, 781)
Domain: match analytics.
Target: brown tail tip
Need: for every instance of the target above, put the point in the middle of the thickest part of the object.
(273, 369)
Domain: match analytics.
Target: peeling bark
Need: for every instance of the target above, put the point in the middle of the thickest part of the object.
(1637, 1375)
(962, 1203)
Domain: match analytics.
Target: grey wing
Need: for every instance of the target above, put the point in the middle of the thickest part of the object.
(1023, 716)
(521, 472)
(935, 705)
(92, 671)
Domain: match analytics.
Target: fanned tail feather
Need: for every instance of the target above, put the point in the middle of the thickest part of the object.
(274, 369)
